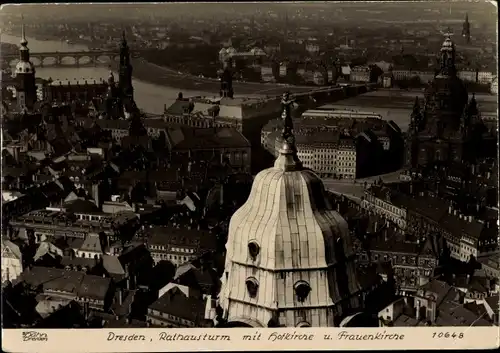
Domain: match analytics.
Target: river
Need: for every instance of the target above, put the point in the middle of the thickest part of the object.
(149, 97)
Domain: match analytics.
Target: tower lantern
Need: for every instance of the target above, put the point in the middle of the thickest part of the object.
(25, 77)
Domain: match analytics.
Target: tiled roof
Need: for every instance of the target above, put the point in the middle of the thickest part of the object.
(72, 282)
(173, 236)
(81, 206)
(95, 287)
(14, 249)
(199, 138)
(451, 314)
(112, 264)
(47, 248)
(493, 302)
(78, 261)
(176, 303)
(92, 243)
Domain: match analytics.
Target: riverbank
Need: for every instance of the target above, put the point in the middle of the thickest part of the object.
(168, 78)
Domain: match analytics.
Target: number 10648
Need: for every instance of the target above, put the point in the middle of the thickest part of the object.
(453, 335)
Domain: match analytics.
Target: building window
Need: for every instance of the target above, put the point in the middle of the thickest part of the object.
(302, 290)
(253, 249)
(252, 286)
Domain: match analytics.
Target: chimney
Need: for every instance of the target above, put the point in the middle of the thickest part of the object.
(128, 282)
(120, 296)
(450, 210)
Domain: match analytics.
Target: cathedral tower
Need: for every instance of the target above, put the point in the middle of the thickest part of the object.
(226, 80)
(290, 260)
(466, 29)
(25, 77)
(125, 71)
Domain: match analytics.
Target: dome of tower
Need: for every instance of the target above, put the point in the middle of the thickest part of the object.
(447, 92)
(24, 67)
(231, 51)
(288, 249)
(448, 44)
(298, 228)
(223, 51)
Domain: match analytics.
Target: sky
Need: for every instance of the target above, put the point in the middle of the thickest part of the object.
(478, 9)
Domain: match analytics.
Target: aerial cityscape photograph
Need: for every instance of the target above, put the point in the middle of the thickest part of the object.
(259, 165)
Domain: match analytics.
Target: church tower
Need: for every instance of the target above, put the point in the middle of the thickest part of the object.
(290, 259)
(466, 29)
(226, 80)
(438, 138)
(25, 77)
(416, 121)
(125, 71)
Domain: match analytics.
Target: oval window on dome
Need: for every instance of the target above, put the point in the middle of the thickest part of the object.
(302, 290)
(253, 249)
(303, 324)
(252, 286)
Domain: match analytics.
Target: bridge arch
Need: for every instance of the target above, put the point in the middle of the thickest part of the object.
(37, 61)
(68, 59)
(104, 58)
(85, 59)
(49, 60)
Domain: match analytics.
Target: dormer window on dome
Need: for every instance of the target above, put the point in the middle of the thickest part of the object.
(253, 249)
(252, 286)
(302, 290)
(303, 324)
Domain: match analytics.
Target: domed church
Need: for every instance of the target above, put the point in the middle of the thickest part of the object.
(446, 128)
(289, 261)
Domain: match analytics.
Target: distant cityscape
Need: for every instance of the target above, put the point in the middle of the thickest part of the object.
(335, 167)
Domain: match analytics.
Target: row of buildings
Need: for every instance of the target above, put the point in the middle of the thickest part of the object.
(341, 143)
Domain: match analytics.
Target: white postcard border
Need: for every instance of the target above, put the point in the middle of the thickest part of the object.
(243, 339)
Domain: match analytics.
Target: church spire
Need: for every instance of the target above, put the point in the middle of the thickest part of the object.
(288, 159)
(466, 28)
(124, 39)
(416, 115)
(226, 79)
(448, 56)
(472, 109)
(125, 72)
(24, 42)
(25, 76)
(24, 51)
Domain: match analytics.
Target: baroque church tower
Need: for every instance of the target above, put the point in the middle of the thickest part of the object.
(448, 127)
(125, 70)
(290, 260)
(25, 77)
(226, 80)
(466, 29)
